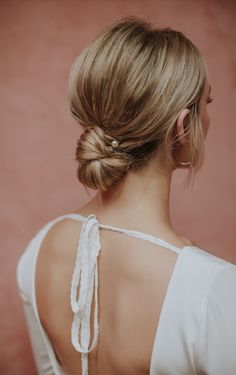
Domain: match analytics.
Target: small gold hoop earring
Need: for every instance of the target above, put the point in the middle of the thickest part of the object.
(184, 163)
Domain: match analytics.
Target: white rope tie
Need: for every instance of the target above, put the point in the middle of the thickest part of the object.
(84, 283)
(85, 278)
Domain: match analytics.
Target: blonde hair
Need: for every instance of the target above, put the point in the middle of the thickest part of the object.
(130, 84)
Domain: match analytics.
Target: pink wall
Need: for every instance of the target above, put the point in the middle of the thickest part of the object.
(39, 41)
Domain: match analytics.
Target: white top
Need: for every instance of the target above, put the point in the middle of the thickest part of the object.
(197, 325)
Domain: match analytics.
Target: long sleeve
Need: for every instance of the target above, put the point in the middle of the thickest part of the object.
(218, 334)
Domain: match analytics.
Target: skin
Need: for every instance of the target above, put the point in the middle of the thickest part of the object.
(126, 274)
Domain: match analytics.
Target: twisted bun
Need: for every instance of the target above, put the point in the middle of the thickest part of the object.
(100, 165)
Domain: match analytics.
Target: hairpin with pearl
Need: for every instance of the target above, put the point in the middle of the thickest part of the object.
(114, 143)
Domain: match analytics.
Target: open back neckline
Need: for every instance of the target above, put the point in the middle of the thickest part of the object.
(91, 226)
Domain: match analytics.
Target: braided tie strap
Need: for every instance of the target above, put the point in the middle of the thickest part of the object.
(84, 284)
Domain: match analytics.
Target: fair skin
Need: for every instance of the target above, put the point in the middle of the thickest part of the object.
(133, 274)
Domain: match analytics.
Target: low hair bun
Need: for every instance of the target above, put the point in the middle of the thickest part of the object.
(100, 165)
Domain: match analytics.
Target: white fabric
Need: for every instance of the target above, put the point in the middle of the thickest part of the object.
(197, 326)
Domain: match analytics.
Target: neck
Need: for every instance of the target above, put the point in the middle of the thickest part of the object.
(142, 201)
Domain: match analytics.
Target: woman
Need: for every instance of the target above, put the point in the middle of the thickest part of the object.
(155, 303)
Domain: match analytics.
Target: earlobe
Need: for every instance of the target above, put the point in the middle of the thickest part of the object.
(180, 126)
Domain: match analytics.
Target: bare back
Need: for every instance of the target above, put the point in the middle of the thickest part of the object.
(133, 280)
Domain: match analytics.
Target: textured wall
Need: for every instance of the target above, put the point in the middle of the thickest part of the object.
(39, 41)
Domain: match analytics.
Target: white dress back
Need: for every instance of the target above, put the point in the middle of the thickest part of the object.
(196, 332)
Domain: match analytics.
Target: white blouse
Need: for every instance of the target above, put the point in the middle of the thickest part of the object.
(196, 332)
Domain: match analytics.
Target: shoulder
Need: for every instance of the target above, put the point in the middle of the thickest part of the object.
(53, 238)
(207, 258)
(222, 282)
(62, 233)
(197, 274)
(57, 232)
(210, 266)
(221, 286)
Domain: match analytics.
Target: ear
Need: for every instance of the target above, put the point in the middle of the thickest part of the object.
(180, 126)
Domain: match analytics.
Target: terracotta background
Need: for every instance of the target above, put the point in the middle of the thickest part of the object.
(39, 42)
